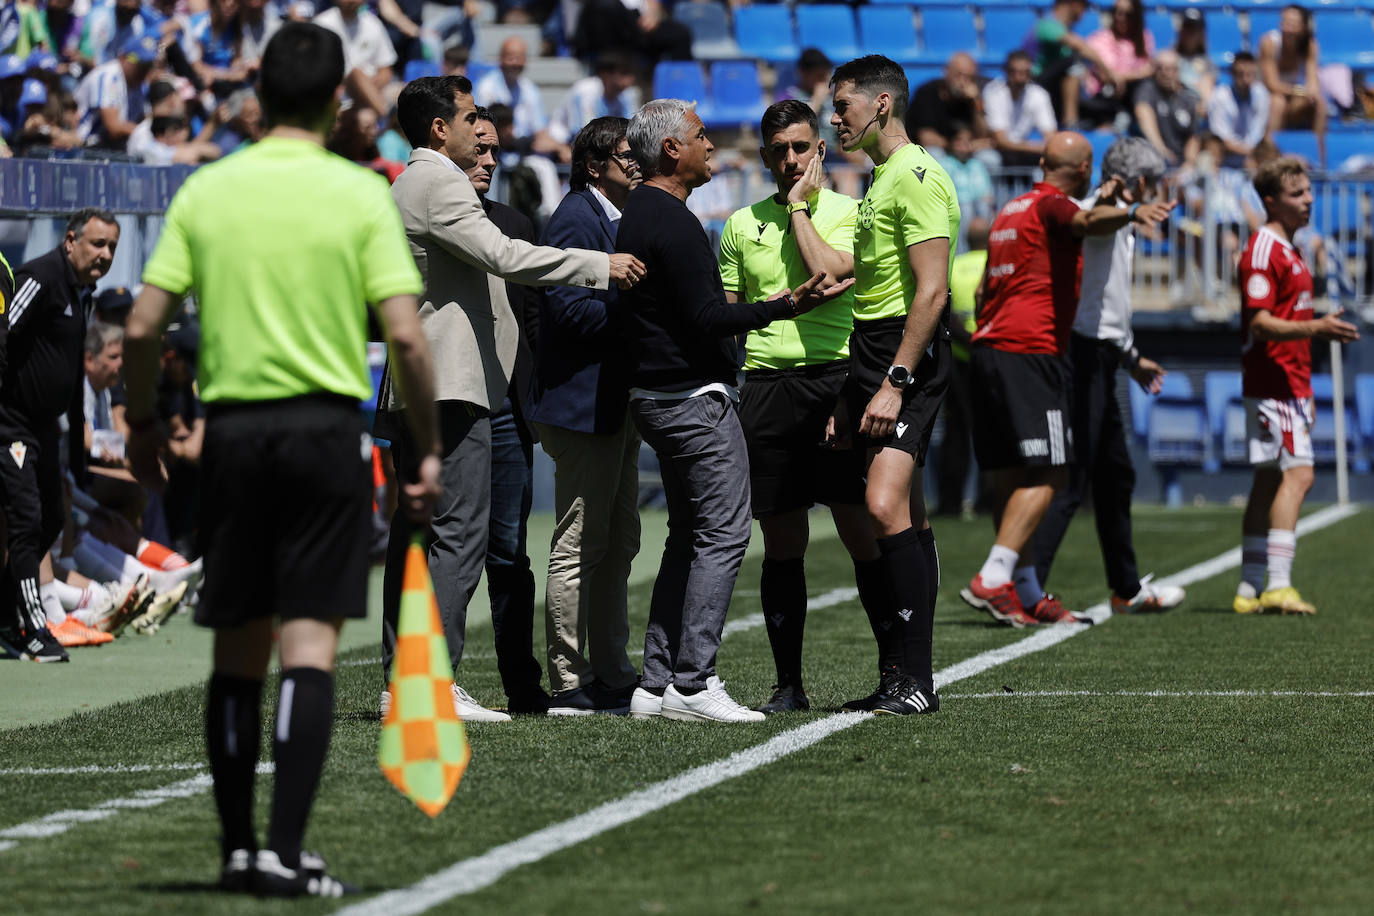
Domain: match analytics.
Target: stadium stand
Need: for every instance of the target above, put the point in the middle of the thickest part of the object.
(829, 27)
(1345, 37)
(944, 31)
(710, 25)
(736, 96)
(765, 32)
(1324, 429)
(890, 31)
(1004, 31)
(681, 79)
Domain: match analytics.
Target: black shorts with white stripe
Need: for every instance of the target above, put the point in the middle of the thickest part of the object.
(1021, 414)
(872, 349)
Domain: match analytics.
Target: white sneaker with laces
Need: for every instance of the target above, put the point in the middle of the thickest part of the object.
(710, 705)
(1151, 598)
(645, 705)
(469, 710)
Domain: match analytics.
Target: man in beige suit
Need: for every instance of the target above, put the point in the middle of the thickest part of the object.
(473, 335)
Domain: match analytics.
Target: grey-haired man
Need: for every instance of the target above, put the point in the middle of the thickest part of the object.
(1101, 343)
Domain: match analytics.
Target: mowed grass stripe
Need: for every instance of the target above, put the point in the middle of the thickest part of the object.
(474, 874)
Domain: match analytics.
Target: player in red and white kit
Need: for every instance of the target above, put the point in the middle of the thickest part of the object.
(1026, 304)
(1277, 327)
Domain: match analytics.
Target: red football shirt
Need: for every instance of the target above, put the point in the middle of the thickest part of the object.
(1274, 279)
(1032, 275)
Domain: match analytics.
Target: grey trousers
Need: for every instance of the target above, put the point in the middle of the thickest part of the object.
(458, 548)
(705, 468)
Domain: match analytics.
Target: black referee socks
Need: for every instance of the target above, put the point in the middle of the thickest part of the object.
(927, 538)
(782, 593)
(875, 594)
(233, 722)
(305, 715)
(908, 568)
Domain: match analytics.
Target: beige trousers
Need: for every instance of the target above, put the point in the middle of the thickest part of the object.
(596, 503)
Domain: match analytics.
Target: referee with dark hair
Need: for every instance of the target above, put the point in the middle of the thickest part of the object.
(286, 245)
(43, 368)
(794, 371)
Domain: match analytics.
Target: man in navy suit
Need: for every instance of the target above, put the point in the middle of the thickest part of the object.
(581, 412)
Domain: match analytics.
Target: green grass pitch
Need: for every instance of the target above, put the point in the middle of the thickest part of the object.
(1048, 784)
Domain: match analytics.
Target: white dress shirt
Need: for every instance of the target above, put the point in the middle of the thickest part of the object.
(1019, 118)
(1104, 295)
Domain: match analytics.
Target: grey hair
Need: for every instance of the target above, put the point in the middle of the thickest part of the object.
(100, 335)
(1133, 158)
(655, 122)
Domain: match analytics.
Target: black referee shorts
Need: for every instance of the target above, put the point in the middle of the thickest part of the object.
(286, 502)
(872, 348)
(783, 412)
(1021, 414)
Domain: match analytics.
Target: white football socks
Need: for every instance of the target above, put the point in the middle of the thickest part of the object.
(998, 568)
(1281, 547)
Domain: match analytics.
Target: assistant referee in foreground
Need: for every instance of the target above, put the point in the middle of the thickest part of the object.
(285, 245)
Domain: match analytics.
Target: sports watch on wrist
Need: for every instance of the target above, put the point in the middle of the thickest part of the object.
(796, 205)
(899, 376)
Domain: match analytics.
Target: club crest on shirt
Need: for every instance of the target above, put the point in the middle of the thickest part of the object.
(1257, 287)
(17, 451)
(866, 215)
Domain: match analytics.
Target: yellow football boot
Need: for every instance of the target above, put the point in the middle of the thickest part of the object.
(1242, 605)
(1285, 601)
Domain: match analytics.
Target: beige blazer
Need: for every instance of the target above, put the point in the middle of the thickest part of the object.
(467, 319)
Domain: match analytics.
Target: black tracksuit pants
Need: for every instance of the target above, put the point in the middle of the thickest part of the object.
(1103, 463)
(31, 478)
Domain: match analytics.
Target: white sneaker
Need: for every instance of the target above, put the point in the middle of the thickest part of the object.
(469, 710)
(1151, 598)
(165, 581)
(645, 705)
(710, 705)
(99, 601)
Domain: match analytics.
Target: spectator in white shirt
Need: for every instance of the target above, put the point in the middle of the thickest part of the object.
(1239, 114)
(610, 92)
(110, 98)
(510, 87)
(368, 52)
(164, 136)
(1019, 113)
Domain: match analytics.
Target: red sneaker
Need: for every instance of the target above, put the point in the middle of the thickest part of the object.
(1050, 609)
(1001, 602)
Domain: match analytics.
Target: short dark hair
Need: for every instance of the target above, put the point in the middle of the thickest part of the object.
(1014, 56)
(613, 62)
(424, 99)
(484, 114)
(873, 74)
(782, 115)
(1241, 57)
(76, 223)
(595, 143)
(813, 59)
(159, 90)
(502, 115)
(301, 69)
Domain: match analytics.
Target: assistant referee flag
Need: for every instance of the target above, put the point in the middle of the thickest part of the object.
(424, 749)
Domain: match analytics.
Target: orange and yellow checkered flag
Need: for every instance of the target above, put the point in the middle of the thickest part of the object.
(424, 749)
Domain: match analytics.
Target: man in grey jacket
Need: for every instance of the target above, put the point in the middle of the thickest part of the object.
(473, 335)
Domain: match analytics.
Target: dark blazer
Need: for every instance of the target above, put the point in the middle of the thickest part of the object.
(581, 370)
(525, 302)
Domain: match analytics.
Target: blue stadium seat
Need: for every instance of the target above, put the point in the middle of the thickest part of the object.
(1219, 389)
(736, 96)
(1261, 21)
(1161, 25)
(1342, 144)
(1301, 143)
(681, 79)
(1338, 207)
(1345, 37)
(1364, 406)
(890, 31)
(829, 27)
(1140, 410)
(1004, 31)
(1324, 429)
(1224, 38)
(945, 31)
(1178, 431)
(710, 27)
(478, 69)
(920, 74)
(1091, 21)
(765, 31)
(418, 68)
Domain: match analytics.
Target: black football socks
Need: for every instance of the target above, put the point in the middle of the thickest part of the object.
(906, 565)
(305, 717)
(782, 593)
(233, 721)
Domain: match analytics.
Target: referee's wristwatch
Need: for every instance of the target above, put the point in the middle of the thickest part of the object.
(900, 377)
(796, 205)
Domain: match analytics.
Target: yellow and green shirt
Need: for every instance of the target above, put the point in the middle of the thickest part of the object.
(286, 245)
(911, 200)
(759, 259)
(964, 277)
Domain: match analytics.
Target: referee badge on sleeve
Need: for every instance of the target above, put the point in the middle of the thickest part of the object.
(17, 451)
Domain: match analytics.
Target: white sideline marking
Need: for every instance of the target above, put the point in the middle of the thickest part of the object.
(1002, 694)
(60, 821)
(96, 768)
(470, 875)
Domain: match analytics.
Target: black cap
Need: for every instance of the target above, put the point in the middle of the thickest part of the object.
(1193, 14)
(183, 338)
(113, 304)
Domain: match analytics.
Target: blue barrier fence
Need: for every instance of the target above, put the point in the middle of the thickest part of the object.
(33, 187)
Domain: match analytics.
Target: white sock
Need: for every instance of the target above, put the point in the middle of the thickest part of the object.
(131, 569)
(51, 605)
(69, 595)
(997, 570)
(1253, 551)
(1282, 545)
(166, 581)
(1028, 586)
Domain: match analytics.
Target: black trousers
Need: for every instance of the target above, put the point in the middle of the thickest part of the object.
(1103, 463)
(31, 494)
(956, 450)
